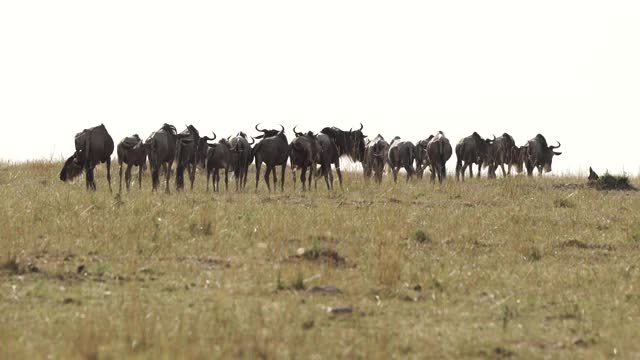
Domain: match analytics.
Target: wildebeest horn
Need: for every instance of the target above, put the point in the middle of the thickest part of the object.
(253, 141)
(214, 135)
(259, 129)
(555, 147)
(361, 127)
(282, 128)
(295, 132)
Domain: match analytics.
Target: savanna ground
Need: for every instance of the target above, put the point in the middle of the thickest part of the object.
(518, 267)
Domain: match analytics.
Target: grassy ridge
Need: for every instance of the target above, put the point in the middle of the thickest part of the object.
(518, 266)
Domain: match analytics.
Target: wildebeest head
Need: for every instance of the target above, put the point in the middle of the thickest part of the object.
(592, 175)
(356, 144)
(72, 168)
(201, 150)
(350, 143)
(540, 153)
(268, 133)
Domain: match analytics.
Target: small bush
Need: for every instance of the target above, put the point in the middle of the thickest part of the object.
(421, 237)
(612, 182)
(533, 254)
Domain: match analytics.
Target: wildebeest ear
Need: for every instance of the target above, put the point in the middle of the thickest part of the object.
(557, 153)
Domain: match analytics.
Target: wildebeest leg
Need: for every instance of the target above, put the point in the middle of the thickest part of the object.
(479, 169)
(258, 165)
(108, 174)
(458, 168)
(208, 177)
(266, 177)
(470, 170)
(127, 177)
(303, 179)
(293, 171)
(313, 166)
(504, 173)
(284, 169)
(275, 178)
(245, 174)
(539, 171)
(409, 169)
(140, 167)
(120, 172)
(226, 179)
(192, 175)
(433, 173)
(169, 165)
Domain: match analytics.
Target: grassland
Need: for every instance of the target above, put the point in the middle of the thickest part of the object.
(518, 267)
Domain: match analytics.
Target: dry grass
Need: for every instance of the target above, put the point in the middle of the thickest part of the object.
(518, 267)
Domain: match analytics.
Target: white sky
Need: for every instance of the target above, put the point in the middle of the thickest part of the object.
(567, 69)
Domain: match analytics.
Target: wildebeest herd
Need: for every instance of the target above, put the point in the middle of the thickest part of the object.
(312, 153)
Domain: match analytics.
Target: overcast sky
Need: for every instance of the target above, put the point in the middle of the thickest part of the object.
(567, 69)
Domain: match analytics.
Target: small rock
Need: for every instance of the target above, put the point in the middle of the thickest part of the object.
(340, 310)
(300, 251)
(330, 290)
(81, 269)
(307, 325)
(68, 301)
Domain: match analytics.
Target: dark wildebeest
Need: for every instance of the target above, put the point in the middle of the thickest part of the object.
(504, 149)
(219, 156)
(375, 158)
(539, 155)
(439, 152)
(422, 159)
(161, 150)
(243, 160)
(470, 150)
(131, 151)
(489, 159)
(202, 150)
(186, 154)
(304, 153)
(273, 150)
(93, 146)
(401, 154)
(518, 157)
(335, 143)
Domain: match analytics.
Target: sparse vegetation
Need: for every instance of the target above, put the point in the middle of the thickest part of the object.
(202, 275)
(612, 182)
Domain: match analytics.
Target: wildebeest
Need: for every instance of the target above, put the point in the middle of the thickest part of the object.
(439, 152)
(304, 153)
(401, 154)
(422, 159)
(93, 146)
(470, 150)
(243, 159)
(539, 155)
(504, 150)
(335, 143)
(375, 158)
(273, 151)
(186, 150)
(132, 152)
(161, 150)
(219, 156)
